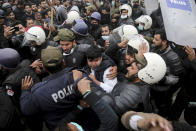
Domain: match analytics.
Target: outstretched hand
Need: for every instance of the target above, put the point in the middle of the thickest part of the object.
(155, 122)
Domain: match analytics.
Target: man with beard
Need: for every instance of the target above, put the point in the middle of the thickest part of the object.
(117, 48)
(163, 91)
(72, 54)
(94, 27)
(28, 13)
(133, 92)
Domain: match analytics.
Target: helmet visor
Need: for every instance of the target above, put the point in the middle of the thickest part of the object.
(28, 39)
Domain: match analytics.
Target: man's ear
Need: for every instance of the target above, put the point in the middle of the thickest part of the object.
(74, 43)
(164, 42)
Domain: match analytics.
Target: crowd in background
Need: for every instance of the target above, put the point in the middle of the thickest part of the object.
(105, 65)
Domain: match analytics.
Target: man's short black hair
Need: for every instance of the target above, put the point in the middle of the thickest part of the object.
(27, 4)
(131, 51)
(105, 25)
(33, 4)
(93, 52)
(162, 34)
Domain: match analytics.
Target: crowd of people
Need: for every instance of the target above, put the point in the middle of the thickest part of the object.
(85, 65)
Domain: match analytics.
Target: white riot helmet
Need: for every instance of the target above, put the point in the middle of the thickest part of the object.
(36, 34)
(137, 40)
(154, 70)
(126, 7)
(71, 16)
(126, 32)
(146, 20)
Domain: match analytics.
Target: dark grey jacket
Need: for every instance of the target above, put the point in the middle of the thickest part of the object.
(116, 53)
(174, 68)
(75, 59)
(129, 96)
(108, 118)
(128, 21)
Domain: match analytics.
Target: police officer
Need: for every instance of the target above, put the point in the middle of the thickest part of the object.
(9, 119)
(35, 40)
(144, 24)
(72, 53)
(108, 118)
(54, 97)
(125, 18)
(10, 91)
(83, 38)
